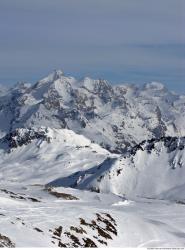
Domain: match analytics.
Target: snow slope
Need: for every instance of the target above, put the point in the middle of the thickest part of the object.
(152, 169)
(37, 156)
(92, 220)
(36, 159)
(59, 157)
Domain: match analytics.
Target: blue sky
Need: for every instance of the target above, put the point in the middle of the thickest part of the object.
(134, 41)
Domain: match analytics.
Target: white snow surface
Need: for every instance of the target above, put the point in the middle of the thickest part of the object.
(142, 192)
(85, 164)
(145, 223)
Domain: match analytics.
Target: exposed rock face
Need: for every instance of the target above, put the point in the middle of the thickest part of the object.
(102, 225)
(5, 241)
(170, 143)
(20, 137)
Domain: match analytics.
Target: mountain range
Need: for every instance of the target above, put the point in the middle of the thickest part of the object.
(80, 158)
(115, 117)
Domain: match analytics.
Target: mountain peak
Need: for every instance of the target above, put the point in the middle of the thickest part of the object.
(154, 86)
(58, 73)
(55, 75)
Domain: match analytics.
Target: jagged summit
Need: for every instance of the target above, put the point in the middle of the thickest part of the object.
(55, 75)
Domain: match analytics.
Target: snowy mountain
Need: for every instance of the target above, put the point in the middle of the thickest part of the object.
(59, 157)
(42, 154)
(152, 169)
(115, 117)
(87, 164)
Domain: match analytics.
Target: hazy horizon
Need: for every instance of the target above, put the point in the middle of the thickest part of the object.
(120, 41)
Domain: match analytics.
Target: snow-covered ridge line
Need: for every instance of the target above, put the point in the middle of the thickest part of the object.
(24, 136)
